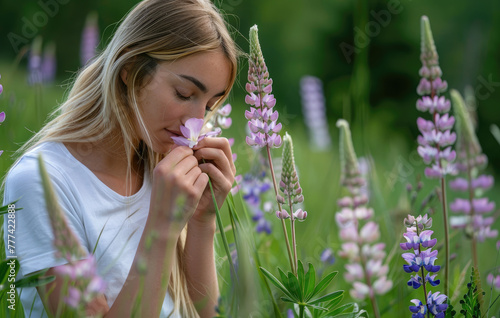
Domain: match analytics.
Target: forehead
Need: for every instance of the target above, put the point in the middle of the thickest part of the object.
(212, 68)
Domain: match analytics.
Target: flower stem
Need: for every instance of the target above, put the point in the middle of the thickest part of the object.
(294, 243)
(423, 274)
(472, 214)
(446, 238)
(301, 311)
(271, 167)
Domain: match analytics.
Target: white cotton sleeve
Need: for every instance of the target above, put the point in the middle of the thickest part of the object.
(33, 234)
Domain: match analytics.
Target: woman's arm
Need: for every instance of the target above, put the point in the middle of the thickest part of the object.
(200, 266)
(178, 184)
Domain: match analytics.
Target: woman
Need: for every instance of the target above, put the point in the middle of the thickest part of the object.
(115, 168)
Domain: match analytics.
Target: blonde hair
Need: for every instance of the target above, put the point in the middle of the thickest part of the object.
(100, 105)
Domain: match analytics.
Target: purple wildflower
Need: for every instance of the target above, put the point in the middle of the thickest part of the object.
(35, 62)
(436, 135)
(365, 269)
(48, 67)
(327, 256)
(475, 207)
(262, 119)
(191, 131)
(253, 188)
(90, 38)
(313, 108)
(419, 261)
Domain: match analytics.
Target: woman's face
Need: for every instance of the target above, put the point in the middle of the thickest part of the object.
(178, 91)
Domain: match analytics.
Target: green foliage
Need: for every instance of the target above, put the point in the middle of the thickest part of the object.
(473, 299)
(450, 311)
(303, 291)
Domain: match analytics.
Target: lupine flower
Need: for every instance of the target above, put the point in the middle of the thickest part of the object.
(48, 67)
(474, 208)
(422, 259)
(436, 139)
(90, 38)
(191, 131)
(253, 188)
(35, 62)
(88, 283)
(81, 268)
(357, 229)
(327, 256)
(494, 281)
(289, 184)
(262, 119)
(313, 108)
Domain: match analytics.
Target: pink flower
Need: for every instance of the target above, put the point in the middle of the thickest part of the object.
(191, 131)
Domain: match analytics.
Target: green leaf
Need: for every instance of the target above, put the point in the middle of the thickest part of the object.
(276, 282)
(335, 302)
(310, 282)
(341, 309)
(34, 280)
(5, 209)
(288, 300)
(284, 278)
(300, 274)
(328, 297)
(317, 307)
(293, 286)
(5, 267)
(324, 283)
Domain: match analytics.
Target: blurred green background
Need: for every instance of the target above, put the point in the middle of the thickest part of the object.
(374, 89)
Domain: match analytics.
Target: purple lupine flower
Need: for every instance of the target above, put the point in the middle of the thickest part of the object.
(90, 38)
(48, 67)
(357, 229)
(35, 62)
(313, 108)
(262, 119)
(422, 259)
(253, 188)
(191, 131)
(327, 256)
(494, 281)
(436, 134)
(474, 208)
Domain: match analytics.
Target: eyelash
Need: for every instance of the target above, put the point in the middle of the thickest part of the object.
(186, 98)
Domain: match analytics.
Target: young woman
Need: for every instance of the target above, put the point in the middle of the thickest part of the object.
(115, 168)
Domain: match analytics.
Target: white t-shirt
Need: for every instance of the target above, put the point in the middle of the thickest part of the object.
(89, 206)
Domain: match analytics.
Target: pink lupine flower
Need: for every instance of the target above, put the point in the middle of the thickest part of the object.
(191, 131)
(262, 118)
(359, 233)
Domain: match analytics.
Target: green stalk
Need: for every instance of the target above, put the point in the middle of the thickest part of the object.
(221, 230)
(279, 208)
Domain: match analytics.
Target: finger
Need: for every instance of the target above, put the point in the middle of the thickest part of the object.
(175, 156)
(219, 143)
(219, 180)
(217, 158)
(201, 183)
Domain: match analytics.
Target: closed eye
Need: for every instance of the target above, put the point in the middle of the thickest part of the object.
(181, 97)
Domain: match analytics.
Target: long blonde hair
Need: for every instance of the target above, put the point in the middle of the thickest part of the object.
(100, 105)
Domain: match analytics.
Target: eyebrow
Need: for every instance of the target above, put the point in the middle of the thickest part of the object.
(200, 85)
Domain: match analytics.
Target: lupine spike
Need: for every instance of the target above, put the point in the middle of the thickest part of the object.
(465, 127)
(427, 44)
(348, 160)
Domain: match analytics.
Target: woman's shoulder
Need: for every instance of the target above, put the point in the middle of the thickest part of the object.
(26, 169)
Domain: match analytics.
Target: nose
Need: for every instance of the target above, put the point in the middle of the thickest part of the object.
(196, 110)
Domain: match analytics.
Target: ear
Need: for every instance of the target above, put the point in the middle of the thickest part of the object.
(123, 75)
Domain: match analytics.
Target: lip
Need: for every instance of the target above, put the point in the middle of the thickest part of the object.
(173, 133)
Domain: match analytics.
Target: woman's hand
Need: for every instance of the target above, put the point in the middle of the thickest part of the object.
(215, 159)
(178, 185)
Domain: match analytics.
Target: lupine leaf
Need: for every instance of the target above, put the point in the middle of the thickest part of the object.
(450, 311)
(335, 302)
(480, 293)
(284, 278)
(327, 297)
(310, 282)
(276, 282)
(294, 287)
(341, 309)
(300, 274)
(324, 283)
(471, 308)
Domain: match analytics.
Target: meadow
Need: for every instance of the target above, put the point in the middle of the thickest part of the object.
(390, 164)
